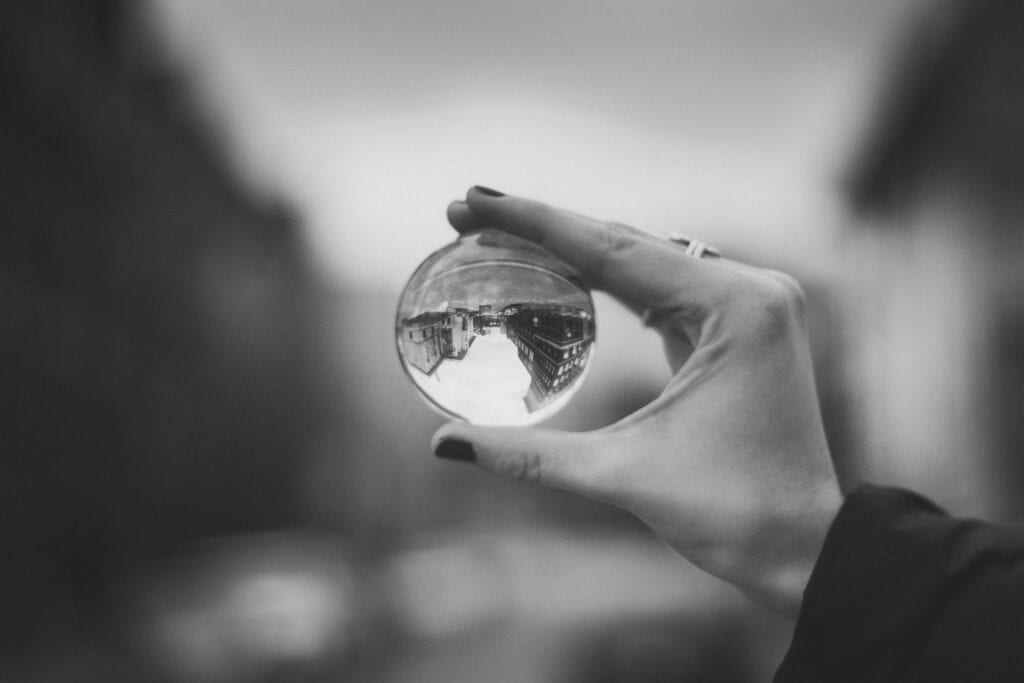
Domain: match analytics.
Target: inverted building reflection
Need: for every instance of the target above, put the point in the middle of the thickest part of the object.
(552, 342)
(433, 336)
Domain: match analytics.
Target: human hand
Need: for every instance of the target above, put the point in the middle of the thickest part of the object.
(729, 464)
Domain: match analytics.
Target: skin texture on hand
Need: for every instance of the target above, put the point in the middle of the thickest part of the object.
(729, 464)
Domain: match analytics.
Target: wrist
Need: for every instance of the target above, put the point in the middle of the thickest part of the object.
(785, 547)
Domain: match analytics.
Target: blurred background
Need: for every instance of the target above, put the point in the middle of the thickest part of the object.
(211, 466)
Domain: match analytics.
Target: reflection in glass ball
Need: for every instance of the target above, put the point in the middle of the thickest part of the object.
(495, 330)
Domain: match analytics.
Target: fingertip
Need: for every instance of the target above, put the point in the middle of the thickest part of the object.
(483, 190)
(485, 199)
(457, 431)
(455, 441)
(455, 449)
(462, 218)
(440, 435)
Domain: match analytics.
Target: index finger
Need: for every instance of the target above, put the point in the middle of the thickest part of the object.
(613, 257)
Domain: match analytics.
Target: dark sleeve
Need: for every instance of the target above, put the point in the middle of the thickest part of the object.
(903, 592)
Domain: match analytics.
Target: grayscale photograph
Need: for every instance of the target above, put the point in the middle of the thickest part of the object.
(512, 341)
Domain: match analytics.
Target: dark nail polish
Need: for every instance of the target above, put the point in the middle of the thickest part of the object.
(453, 449)
(489, 192)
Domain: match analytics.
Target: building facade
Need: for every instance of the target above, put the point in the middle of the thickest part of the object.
(456, 333)
(433, 336)
(553, 344)
(421, 341)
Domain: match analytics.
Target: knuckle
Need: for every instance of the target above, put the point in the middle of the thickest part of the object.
(613, 239)
(522, 468)
(792, 290)
(775, 300)
(616, 227)
(775, 306)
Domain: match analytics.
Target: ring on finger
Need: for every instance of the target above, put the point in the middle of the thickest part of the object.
(694, 247)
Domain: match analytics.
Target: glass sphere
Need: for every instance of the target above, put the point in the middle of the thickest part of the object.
(495, 330)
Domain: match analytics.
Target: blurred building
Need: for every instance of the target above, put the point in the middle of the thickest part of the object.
(936, 276)
(158, 365)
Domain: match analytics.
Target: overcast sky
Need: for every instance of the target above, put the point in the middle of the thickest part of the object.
(730, 119)
(498, 286)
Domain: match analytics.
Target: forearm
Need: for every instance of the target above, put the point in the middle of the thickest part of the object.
(903, 592)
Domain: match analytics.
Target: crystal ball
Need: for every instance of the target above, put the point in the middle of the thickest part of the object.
(495, 330)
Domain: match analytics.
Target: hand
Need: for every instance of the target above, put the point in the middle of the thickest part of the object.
(729, 465)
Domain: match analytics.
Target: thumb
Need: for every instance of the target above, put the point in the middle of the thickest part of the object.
(580, 463)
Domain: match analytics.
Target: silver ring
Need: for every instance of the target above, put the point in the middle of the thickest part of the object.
(694, 247)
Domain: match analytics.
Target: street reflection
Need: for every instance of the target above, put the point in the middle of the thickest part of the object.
(498, 365)
(495, 330)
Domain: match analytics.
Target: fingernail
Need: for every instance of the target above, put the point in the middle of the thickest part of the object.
(488, 191)
(453, 449)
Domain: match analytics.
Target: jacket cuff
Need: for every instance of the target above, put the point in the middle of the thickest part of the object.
(870, 595)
